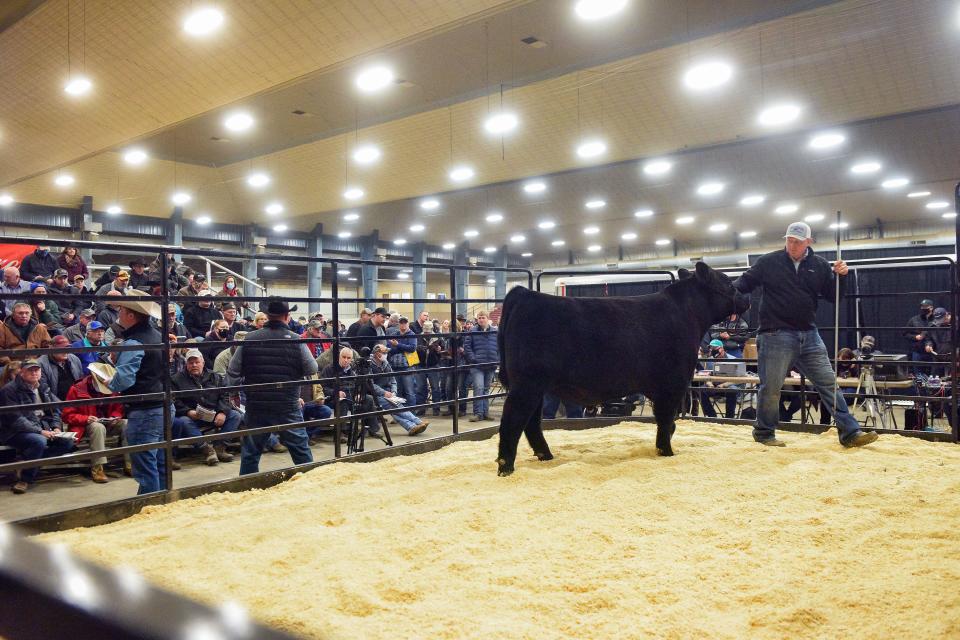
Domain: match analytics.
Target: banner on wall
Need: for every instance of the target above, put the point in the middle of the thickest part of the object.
(12, 254)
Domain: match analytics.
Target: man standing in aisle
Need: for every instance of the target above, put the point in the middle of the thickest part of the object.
(791, 281)
(140, 372)
(271, 363)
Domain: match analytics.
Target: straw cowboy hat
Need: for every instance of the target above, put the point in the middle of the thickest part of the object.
(146, 307)
(102, 373)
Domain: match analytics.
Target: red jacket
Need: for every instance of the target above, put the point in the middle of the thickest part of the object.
(316, 348)
(75, 418)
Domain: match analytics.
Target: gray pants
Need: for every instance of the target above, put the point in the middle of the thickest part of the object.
(97, 433)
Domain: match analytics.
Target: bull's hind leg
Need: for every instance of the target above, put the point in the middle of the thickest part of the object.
(534, 433)
(665, 411)
(518, 409)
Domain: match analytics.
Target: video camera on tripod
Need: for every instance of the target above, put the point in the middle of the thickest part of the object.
(362, 389)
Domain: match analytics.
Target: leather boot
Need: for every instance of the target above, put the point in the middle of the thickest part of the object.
(97, 474)
(211, 455)
(222, 454)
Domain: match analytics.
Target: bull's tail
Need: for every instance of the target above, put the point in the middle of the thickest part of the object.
(511, 299)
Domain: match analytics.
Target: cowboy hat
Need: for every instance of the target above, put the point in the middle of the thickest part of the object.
(146, 307)
(102, 373)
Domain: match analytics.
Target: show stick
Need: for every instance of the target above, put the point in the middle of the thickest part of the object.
(836, 329)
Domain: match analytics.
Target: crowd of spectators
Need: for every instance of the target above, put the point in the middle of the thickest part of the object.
(203, 361)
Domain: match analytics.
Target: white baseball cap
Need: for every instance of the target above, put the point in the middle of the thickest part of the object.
(799, 230)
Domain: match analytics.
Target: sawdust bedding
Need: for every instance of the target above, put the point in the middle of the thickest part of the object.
(727, 539)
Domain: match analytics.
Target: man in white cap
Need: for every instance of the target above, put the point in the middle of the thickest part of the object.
(791, 282)
(139, 372)
(95, 421)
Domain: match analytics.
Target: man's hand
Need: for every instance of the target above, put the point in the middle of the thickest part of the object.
(301, 401)
(724, 335)
(220, 418)
(46, 434)
(91, 419)
(928, 348)
(918, 337)
(67, 317)
(840, 268)
(388, 394)
(192, 414)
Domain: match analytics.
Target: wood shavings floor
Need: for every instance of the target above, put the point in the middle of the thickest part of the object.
(727, 539)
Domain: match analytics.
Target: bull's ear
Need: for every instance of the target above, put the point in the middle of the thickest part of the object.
(683, 274)
(703, 271)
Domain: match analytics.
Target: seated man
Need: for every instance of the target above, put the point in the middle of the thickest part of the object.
(76, 331)
(21, 331)
(60, 370)
(717, 352)
(348, 389)
(92, 338)
(95, 421)
(211, 409)
(199, 317)
(69, 308)
(33, 433)
(385, 387)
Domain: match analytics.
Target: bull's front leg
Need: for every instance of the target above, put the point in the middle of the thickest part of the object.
(665, 411)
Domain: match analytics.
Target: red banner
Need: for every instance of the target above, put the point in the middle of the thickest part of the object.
(12, 254)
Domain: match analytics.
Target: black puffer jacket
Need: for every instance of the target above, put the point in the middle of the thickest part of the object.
(274, 362)
(789, 295)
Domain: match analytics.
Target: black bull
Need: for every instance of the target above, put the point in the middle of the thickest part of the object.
(587, 350)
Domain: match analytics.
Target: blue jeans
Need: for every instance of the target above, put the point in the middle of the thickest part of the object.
(420, 385)
(316, 411)
(449, 386)
(149, 467)
(184, 427)
(407, 387)
(294, 439)
(482, 379)
(551, 404)
(405, 419)
(436, 393)
(33, 446)
(780, 349)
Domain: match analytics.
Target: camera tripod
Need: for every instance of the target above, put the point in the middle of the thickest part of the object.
(364, 387)
(879, 412)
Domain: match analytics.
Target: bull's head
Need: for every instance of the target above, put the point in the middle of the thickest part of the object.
(723, 296)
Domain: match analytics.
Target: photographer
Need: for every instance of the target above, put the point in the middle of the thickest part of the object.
(349, 388)
(385, 387)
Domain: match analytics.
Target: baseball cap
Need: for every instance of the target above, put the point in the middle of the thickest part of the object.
(194, 353)
(228, 305)
(926, 302)
(137, 261)
(366, 311)
(939, 313)
(315, 324)
(60, 341)
(716, 343)
(95, 325)
(88, 313)
(123, 275)
(799, 230)
(60, 273)
(205, 293)
(199, 277)
(29, 363)
(381, 311)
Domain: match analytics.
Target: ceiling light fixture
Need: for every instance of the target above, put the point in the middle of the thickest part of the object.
(595, 204)
(779, 115)
(841, 225)
(430, 204)
(591, 148)
(352, 279)
(685, 220)
(547, 224)
(400, 242)
(203, 21)
(403, 276)
(501, 123)
(895, 183)
(864, 168)
(417, 228)
(64, 180)
(269, 267)
(449, 246)
(949, 215)
(461, 173)
(5, 200)
(814, 217)
(258, 180)
(353, 193)
(494, 217)
(374, 78)
(471, 233)
(351, 217)
(366, 154)
(939, 204)
(753, 200)
(203, 220)
(240, 121)
(643, 213)
(279, 228)
(787, 208)
(343, 235)
(489, 249)
(518, 238)
(535, 187)
(594, 248)
(707, 75)
(628, 236)
(526, 254)
(181, 197)
(135, 156)
(591, 231)
(826, 140)
(274, 208)
(491, 281)
(711, 188)
(114, 209)
(343, 272)
(78, 86)
(657, 167)
(558, 243)
(918, 194)
(719, 226)
(662, 242)
(591, 10)
(748, 234)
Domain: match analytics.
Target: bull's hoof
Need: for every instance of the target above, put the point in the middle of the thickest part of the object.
(503, 468)
(666, 451)
(543, 457)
